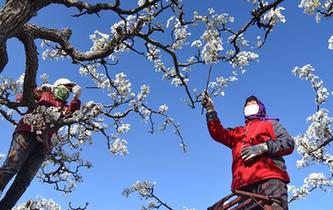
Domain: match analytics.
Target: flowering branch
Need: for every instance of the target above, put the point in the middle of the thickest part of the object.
(312, 145)
(146, 191)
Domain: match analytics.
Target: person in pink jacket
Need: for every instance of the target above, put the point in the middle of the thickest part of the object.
(29, 148)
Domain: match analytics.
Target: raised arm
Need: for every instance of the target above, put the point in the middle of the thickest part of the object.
(217, 131)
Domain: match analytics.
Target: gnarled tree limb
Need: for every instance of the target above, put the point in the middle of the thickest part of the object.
(3, 56)
(30, 70)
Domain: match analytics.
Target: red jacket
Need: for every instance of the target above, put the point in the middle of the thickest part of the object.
(268, 166)
(47, 99)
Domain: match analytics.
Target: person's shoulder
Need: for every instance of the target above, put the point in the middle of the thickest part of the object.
(275, 123)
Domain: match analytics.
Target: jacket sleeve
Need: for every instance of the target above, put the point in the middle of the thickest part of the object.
(283, 144)
(73, 106)
(217, 132)
(37, 94)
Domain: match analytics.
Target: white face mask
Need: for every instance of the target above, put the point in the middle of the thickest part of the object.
(251, 109)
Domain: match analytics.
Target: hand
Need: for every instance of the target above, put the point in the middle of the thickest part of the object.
(46, 87)
(77, 91)
(248, 153)
(207, 102)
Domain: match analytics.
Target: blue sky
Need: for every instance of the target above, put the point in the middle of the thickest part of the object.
(201, 176)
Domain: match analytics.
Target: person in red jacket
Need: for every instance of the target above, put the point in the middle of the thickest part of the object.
(257, 148)
(30, 147)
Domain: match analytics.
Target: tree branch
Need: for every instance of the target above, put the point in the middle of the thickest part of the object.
(7, 117)
(256, 18)
(3, 56)
(94, 9)
(174, 59)
(62, 38)
(30, 69)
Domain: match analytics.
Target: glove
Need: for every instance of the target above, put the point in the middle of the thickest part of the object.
(46, 87)
(207, 102)
(77, 91)
(248, 153)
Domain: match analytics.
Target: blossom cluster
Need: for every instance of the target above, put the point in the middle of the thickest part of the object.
(319, 8)
(274, 16)
(309, 142)
(118, 145)
(243, 59)
(9, 85)
(211, 36)
(2, 156)
(52, 52)
(120, 91)
(310, 6)
(100, 41)
(312, 145)
(42, 118)
(144, 188)
(307, 73)
(312, 181)
(180, 33)
(64, 175)
(221, 82)
(38, 203)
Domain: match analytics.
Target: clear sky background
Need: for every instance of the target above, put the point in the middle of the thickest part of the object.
(201, 176)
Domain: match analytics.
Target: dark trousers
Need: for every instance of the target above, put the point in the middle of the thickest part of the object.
(275, 188)
(25, 157)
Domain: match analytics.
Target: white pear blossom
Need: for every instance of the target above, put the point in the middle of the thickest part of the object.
(330, 43)
(178, 82)
(124, 26)
(241, 41)
(118, 146)
(274, 16)
(196, 44)
(45, 78)
(309, 6)
(20, 81)
(144, 188)
(180, 33)
(315, 135)
(123, 85)
(41, 117)
(298, 192)
(145, 112)
(163, 108)
(312, 181)
(141, 2)
(81, 134)
(100, 41)
(54, 53)
(306, 72)
(38, 203)
(123, 128)
(243, 59)
(211, 36)
(258, 41)
(221, 83)
(210, 52)
(153, 52)
(2, 156)
(318, 17)
(144, 92)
